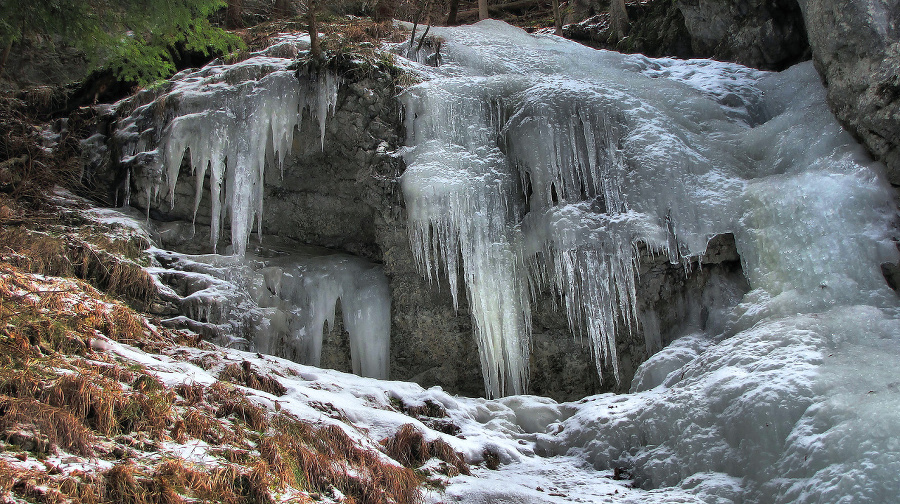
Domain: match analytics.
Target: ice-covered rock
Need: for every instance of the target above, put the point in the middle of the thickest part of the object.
(228, 121)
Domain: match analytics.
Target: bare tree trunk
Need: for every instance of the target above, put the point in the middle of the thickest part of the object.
(5, 56)
(482, 10)
(556, 18)
(618, 19)
(234, 13)
(454, 9)
(385, 10)
(314, 50)
(282, 9)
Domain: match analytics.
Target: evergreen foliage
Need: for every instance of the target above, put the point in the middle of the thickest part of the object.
(134, 38)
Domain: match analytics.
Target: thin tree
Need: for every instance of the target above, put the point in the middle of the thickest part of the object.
(234, 14)
(556, 18)
(314, 50)
(282, 9)
(618, 19)
(454, 9)
(482, 9)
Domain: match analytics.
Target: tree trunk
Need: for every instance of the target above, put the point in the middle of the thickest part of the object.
(618, 19)
(314, 50)
(454, 9)
(385, 10)
(5, 56)
(499, 9)
(234, 13)
(482, 10)
(282, 9)
(556, 18)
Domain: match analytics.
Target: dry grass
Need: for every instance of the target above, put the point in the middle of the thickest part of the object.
(304, 456)
(70, 256)
(60, 427)
(408, 446)
(232, 402)
(175, 481)
(244, 374)
(62, 391)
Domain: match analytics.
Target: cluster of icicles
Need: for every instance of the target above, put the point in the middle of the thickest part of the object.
(230, 122)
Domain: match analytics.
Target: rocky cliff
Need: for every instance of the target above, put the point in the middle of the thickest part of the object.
(854, 44)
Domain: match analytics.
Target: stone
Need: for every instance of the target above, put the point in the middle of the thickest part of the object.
(856, 49)
(765, 34)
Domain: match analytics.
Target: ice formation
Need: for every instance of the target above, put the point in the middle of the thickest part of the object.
(538, 163)
(230, 120)
(279, 301)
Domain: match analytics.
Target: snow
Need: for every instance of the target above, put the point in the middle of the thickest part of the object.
(534, 163)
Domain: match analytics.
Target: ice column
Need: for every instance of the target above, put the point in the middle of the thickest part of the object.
(459, 190)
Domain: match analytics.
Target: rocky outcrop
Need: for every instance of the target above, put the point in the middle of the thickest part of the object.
(856, 49)
(766, 34)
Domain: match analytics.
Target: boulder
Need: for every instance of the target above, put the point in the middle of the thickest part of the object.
(766, 34)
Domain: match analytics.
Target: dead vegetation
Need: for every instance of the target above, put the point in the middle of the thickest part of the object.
(59, 394)
(58, 253)
(244, 374)
(409, 447)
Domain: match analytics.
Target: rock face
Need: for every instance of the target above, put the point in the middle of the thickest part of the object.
(856, 49)
(766, 34)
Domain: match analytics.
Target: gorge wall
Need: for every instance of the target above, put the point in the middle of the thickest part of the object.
(341, 191)
(855, 46)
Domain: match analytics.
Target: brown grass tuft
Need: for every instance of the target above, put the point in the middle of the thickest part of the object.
(408, 446)
(61, 427)
(244, 374)
(232, 402)
(317, 458)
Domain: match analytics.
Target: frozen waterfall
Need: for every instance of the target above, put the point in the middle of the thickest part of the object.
(536, 163)
(229, 122)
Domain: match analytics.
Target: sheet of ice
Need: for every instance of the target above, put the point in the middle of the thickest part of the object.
(280, 302)
(229, 120)
(582, 154)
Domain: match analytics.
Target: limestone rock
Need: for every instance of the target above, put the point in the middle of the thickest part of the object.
(766, 34)
(856, 49)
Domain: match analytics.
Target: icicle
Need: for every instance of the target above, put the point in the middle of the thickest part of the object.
(233, 120)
